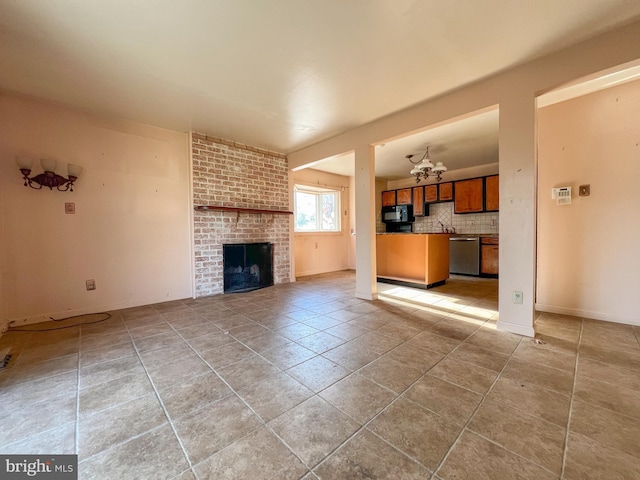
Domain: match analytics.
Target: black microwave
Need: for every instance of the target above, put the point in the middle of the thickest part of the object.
(398, 214)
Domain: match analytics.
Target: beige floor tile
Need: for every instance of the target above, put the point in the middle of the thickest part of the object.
(296, 331)
(105, 354)
(180, 370)
(398, 330)
(475, 457)
(620, 358)
(198, 330)
(529, 351)
(34, 418)
(247, 372)
(418, 432)
(463, 374)
(103, 372)
(543, 443)
(606, 427)
(192, 394)
(274, 396)
(322, 322)
(391, 374)
(24, 394)
(150, 330)
(104, 339)
(555, 379)
(207, 342)
(444, 398)
(532, 399)
(313, 429)
(258, 456)
(245, 332)
(286, 356)
(156, 454)
(59, 440)
(481, 357)
(318, 373)
(501, 342)
(227, 354)
(608, 373)
(113, 392)
(617, 398)
(166, 355)
(320, 342)
(350, 356)
(346, 331)
(358, 397)
(100, 431)
(366, 456)
(208, 430)
(456, 330)
(42, 353)
(14, 375)
(434, 342)
(376, 342)
(588, 459)
(415, 357)
(265, 342)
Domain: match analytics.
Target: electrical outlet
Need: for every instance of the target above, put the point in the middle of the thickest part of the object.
(91, 284)
(517, 297)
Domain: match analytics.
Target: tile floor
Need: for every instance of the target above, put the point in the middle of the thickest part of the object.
(305, 381)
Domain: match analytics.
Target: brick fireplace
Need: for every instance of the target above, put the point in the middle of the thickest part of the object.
(228, 174)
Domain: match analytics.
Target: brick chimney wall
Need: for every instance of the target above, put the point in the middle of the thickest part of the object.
(229, 174)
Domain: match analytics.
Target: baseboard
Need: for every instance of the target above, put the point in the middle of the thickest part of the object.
(367, 295)
(607, 317)
(15, 322)
(318, 272)
(4, 326)
(526, 330)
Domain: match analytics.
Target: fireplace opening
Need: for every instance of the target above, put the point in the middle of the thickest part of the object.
(247, 266)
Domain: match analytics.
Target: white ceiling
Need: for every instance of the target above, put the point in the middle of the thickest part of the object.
(280, 74)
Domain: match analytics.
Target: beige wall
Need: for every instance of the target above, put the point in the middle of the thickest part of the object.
(324, 252)
(132, 227)
(588, 252)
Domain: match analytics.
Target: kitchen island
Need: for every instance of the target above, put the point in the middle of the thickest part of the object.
(414, 258)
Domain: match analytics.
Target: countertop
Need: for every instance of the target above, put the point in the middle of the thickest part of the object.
(440, 233)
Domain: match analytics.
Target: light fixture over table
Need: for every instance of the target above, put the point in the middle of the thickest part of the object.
(49, 178)
(424, 168)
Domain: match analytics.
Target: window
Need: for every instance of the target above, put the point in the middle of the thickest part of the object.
(316, 209)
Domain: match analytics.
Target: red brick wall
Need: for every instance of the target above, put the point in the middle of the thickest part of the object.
(229, 174)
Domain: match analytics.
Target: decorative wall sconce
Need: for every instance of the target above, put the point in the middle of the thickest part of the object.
(49, 178)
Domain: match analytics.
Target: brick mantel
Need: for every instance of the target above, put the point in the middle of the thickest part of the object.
(232, 175)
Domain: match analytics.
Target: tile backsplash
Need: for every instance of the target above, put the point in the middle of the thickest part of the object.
(467, 223)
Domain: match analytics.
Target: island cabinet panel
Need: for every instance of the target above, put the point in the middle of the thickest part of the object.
(431, 193)
(445, 192)
(389, 198)
(492, 193)
(413, 257)
(418, 201)
(404, 196)
(468, 196)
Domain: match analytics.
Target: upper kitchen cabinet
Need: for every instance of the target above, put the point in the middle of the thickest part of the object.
(492, 193)
(445, 191)
(404, 196)
(418, 201)
(389, 198)
(469, 196)
(431, 193)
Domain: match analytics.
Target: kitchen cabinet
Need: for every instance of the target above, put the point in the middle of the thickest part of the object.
(491, 194)
(418, 201)
(431, 193)
(469, 195)
(389, 198)
(489, 256)
(404, 196)
(445, 191)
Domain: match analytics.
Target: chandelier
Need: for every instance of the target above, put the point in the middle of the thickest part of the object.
(424, 168)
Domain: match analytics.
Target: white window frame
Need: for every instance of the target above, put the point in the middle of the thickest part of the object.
(318, 191)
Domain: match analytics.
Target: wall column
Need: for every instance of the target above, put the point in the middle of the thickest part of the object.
(518, 164)
(365, 187)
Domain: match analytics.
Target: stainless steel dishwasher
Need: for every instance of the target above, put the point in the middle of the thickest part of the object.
(464, 255)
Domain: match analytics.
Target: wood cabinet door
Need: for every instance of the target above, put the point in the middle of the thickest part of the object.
(492, 193)
(431, 193)
(489, 259)
(446, 191)
(404, 196)
(468, 196)
(418, 201)
(389, 198)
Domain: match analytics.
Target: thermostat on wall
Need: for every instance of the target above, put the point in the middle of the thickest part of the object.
(562, 195)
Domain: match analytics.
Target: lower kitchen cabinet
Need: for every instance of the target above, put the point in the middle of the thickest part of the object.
(489, 256)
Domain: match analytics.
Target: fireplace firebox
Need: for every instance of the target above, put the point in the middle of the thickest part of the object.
(247, 266)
